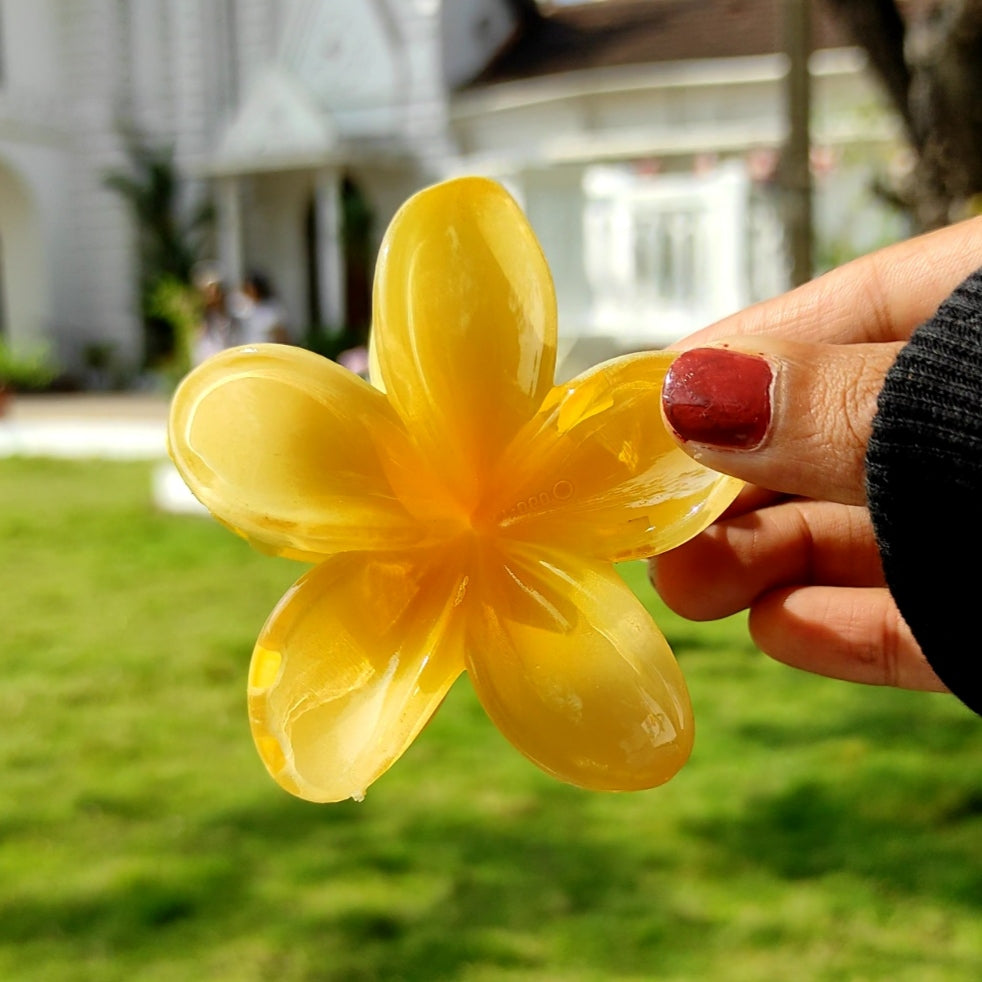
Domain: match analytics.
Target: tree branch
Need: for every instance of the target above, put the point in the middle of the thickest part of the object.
(944, 53)
(877, 27)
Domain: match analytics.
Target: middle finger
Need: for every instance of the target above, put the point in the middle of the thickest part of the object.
(791, 543)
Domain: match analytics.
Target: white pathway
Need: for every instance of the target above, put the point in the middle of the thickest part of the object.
(117, 427)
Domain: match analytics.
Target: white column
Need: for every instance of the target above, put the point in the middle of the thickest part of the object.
(230, 231)
(330, 251)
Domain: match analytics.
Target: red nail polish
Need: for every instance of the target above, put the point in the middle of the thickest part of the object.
(719, 397)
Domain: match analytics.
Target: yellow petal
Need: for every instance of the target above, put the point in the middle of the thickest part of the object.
(349, 668)
(597, 473)
(292, 451)
(464, 325)
(574, 672)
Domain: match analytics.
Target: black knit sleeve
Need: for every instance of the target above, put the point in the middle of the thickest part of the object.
(924, 488)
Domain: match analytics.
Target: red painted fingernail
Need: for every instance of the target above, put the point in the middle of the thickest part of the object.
(719, 397)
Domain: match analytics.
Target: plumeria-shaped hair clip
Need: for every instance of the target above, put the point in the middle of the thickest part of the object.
(462, 513)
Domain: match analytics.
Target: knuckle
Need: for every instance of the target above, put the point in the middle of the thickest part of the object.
(875, 297)
(876, 644)
(891, 653)
(890, 648)
(849, 394)
(854, 401)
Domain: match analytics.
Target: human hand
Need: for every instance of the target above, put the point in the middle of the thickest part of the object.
(783, 396)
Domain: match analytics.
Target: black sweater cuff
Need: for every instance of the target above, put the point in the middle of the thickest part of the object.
(924, 488)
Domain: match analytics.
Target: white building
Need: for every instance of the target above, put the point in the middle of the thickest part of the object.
(636, 133)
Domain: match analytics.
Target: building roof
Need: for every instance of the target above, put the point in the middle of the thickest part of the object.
(278, 126)
(632, 32)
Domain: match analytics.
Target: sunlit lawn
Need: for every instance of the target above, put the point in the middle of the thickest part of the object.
(821, 831)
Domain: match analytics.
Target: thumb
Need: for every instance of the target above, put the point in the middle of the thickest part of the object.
(790, 416)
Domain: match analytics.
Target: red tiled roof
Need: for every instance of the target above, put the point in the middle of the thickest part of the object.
(630, 32)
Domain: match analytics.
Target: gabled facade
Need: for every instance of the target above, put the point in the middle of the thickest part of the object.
(646, 168)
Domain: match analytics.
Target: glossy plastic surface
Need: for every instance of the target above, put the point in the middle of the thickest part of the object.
(463, 514)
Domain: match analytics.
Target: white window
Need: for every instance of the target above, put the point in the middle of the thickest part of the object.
(665, 254)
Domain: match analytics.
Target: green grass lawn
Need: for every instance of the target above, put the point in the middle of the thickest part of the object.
(821, 831)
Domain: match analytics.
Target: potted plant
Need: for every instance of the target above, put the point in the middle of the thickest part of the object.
(22, 370)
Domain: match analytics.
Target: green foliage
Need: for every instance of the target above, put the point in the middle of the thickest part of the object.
(820, 832)
(179, 304)
(330, 342)
(171, 239)
(25, 369)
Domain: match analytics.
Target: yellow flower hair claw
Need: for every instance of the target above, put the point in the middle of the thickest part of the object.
(463, 514)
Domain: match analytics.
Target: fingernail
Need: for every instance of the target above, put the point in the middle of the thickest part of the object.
(719, 397)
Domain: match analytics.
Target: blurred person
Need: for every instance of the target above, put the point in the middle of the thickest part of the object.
(215, 331)
(852, 406)
(261, 317)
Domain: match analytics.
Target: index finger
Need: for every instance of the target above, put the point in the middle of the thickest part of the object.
(879, 297)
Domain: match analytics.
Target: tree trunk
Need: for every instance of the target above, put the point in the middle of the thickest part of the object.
(930, 63)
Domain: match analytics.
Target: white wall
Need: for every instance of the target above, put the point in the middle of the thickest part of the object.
(31, 56)
(22, 271)
(553, 201)
(100, 270)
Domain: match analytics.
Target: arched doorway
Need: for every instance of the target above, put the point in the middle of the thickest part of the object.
(22, 293)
